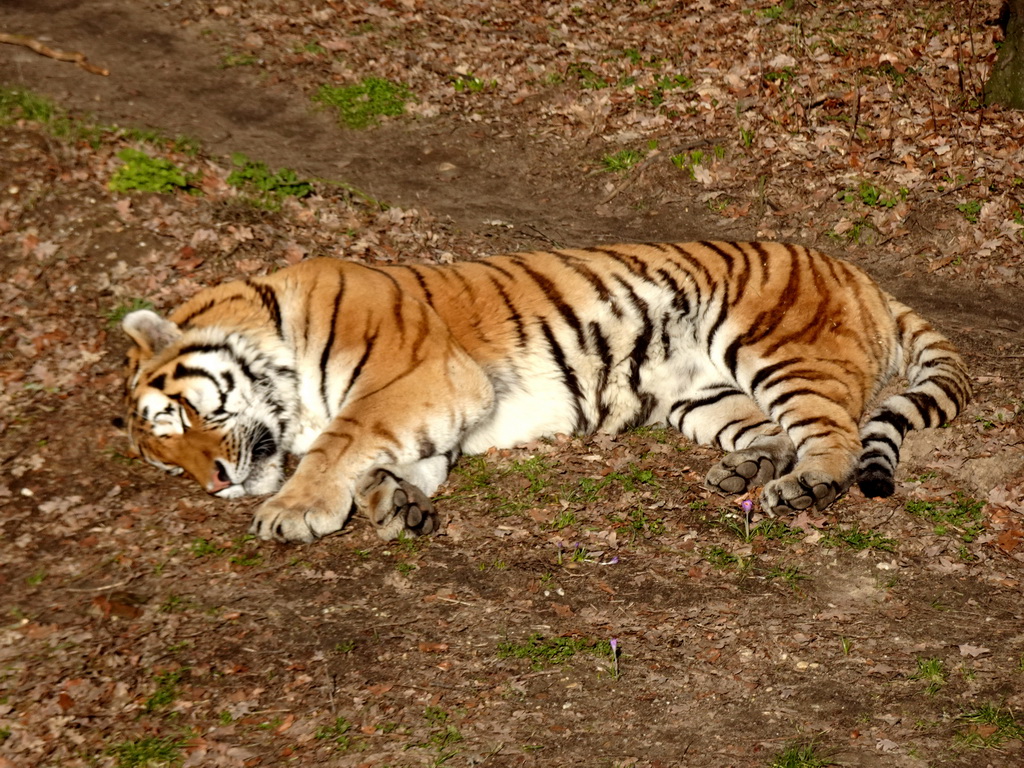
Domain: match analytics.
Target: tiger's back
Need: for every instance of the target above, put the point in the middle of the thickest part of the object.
(772, 352)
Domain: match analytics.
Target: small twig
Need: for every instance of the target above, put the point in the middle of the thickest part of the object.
(856, 116)
(54, 53)
(452, 600)
(100, 589)
(554, 243)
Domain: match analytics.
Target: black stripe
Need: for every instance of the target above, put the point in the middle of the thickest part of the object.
(579, 266)
(926, 406)
(203, 308)
(689, 406)
(568, 376)
(749, 428)
(768, 321)
(421, 280)
(358, 369)
(896, 420)
(877, 457)
(182, 371)
(717, 439)
(642, 343)
(325, 354)
(766, 261)
(785, 397)
(634, 264)
(884, 440)
(513, 313)
(768, 370)
(680, 301)
(268, 297)
(604, 353)
(833, 426)
(556, 299)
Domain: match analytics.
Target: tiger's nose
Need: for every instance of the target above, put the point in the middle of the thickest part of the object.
(220, 479)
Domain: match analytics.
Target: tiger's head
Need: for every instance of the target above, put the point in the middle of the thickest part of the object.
(213, 403)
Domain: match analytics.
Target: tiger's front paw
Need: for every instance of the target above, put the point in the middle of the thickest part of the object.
(299, 517)
(798, 491)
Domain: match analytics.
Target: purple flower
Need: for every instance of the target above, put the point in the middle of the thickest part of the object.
(747, 506)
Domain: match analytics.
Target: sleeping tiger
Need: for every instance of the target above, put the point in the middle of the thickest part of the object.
(381, 376)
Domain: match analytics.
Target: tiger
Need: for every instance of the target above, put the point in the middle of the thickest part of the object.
(379, 377)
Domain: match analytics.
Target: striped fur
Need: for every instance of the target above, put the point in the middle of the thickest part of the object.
(380, 376)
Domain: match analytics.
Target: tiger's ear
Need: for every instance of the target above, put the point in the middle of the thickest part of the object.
(150, 331)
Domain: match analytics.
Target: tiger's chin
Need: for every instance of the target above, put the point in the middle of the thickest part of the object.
(262, 481)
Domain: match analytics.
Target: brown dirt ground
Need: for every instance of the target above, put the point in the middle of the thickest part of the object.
(135, 609)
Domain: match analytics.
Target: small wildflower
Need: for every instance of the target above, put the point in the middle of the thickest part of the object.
(613, 561)
(747, 506)
(615, 657)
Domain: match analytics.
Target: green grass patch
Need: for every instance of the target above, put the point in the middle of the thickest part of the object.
(544, 652)
(148, 752)
(789, 574)
(142, 173)
(989, 726)
(970, 210)
(932, 672)
(858, 539)
(720, 557)
(961, 515)
(586, 77)
(872, 196)
(688, 161)
(337, 733)
(229, 60)
(267, 187)
(622, 160)
(469, 83)
(18, 104)
(166, 692)
(535, 470)
(801, 756)
(769, 529)
(640, 526)
(783, 75)
(363, 104)
(443, 738)
(205, 548)
(655, 95)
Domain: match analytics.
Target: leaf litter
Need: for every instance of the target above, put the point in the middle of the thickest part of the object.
(256, 649)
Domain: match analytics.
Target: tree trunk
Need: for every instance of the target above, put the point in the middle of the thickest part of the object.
(1006, 84)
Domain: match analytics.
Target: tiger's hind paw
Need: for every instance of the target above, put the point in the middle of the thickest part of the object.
(396, 506)
(796, 492)
(741, 470)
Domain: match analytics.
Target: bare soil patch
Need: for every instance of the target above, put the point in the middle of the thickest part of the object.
(136, 614)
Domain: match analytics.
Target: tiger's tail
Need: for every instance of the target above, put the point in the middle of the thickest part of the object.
(937, 389)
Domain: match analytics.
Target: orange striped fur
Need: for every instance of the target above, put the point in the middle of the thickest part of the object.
(381, 376)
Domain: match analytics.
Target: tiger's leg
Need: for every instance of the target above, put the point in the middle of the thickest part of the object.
(724, 416)
(827, 446)
(397, 499)
(390, 419)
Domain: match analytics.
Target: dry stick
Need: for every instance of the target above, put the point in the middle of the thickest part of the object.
(53, 53)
